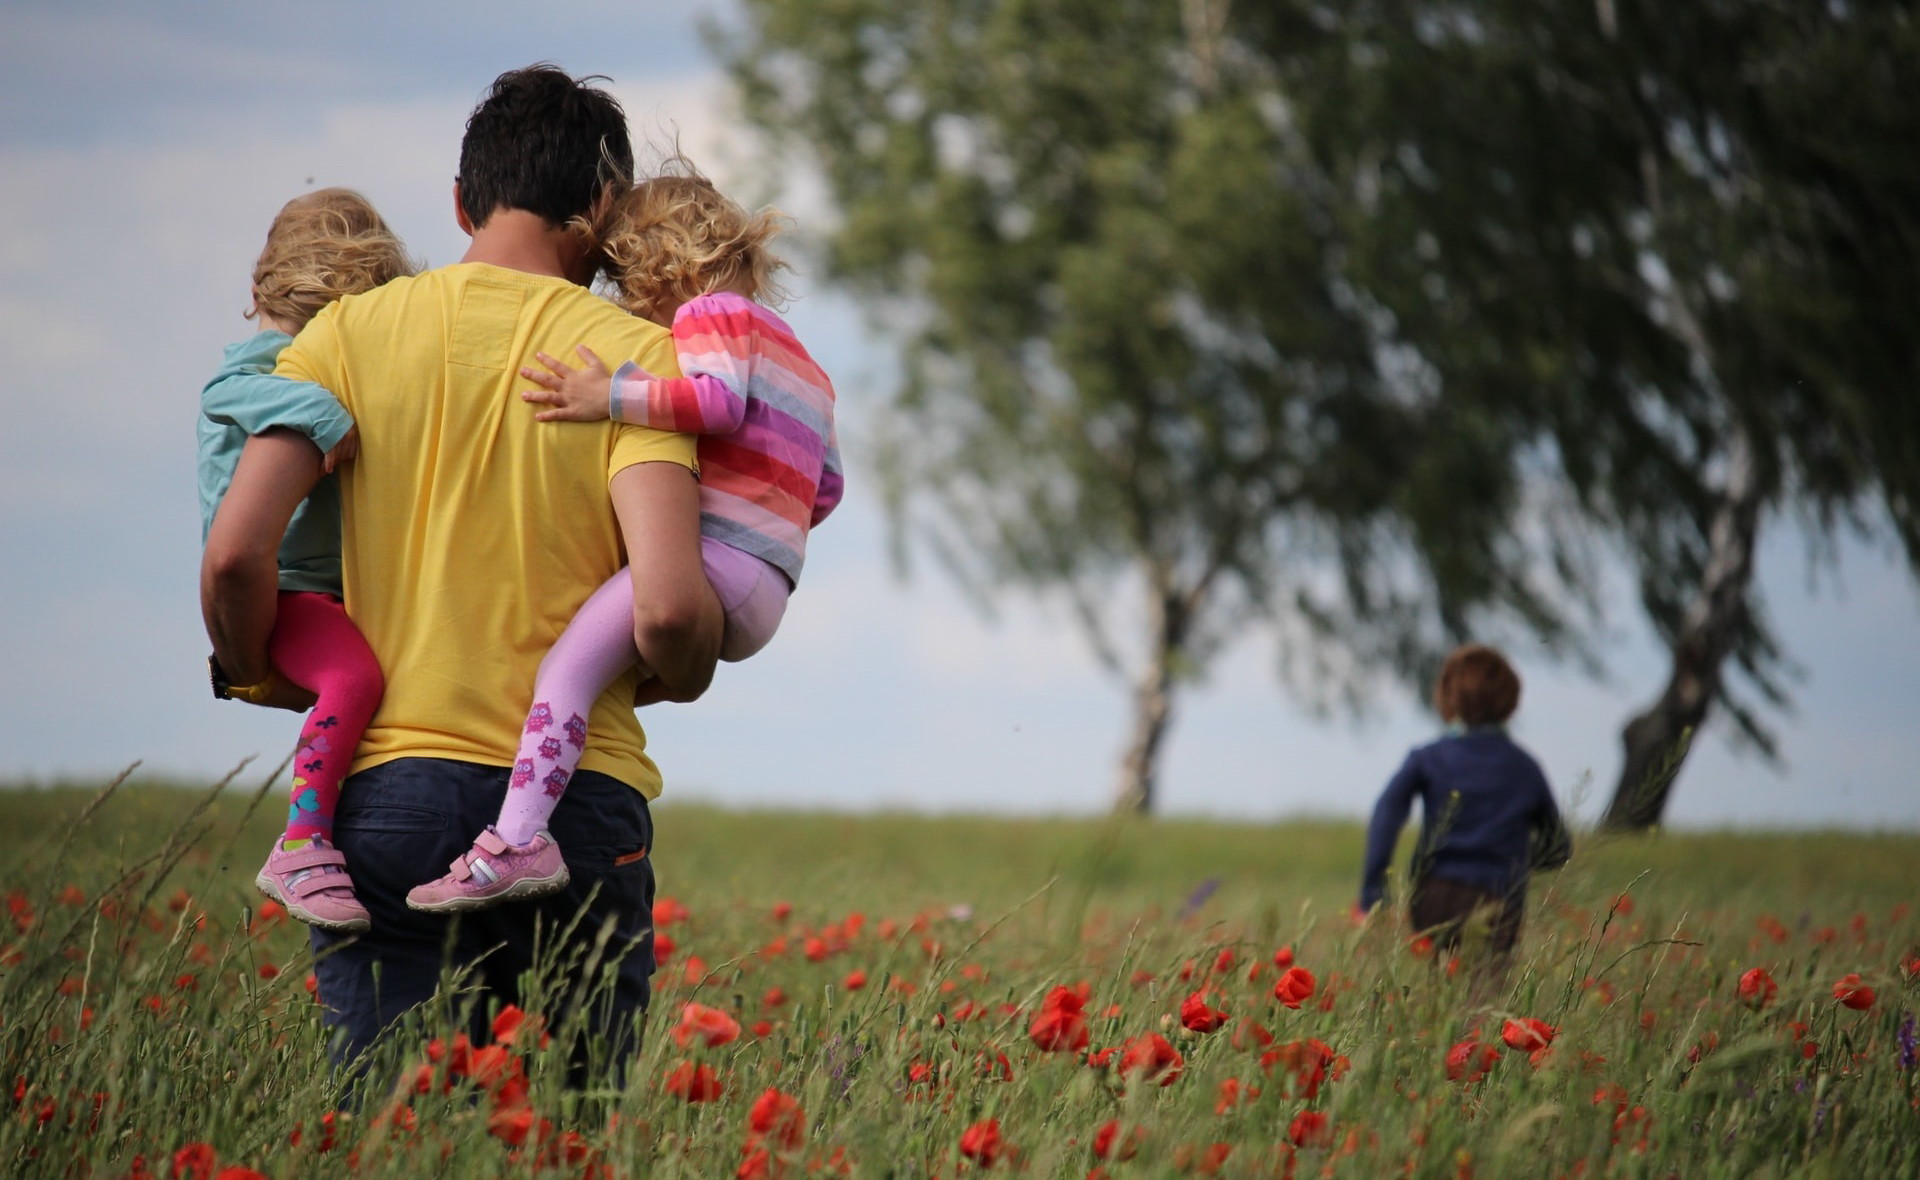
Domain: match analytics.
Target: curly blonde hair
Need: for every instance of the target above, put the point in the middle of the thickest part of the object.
(674, 238)
(322, 245)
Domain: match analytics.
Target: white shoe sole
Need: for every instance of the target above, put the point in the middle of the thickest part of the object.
(300, 913)
(525, 889)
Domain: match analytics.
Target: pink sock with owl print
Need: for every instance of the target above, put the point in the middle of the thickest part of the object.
(595, 649)
(315, 645)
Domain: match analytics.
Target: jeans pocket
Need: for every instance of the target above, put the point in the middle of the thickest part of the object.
(392, 818)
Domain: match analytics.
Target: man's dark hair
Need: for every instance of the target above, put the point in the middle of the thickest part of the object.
(545, 142)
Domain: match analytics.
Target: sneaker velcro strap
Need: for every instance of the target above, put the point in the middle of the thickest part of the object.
(491, 842)
(314, 883)
(311, 857)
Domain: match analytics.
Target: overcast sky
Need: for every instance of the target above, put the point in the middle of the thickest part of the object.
(143, 150)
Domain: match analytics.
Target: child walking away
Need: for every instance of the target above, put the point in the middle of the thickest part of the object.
(693, 261)
(321, 246)
(1487, 817)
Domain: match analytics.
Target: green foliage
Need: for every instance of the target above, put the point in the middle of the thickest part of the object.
(146, 1013)
(1132, 355)
(1373, 321)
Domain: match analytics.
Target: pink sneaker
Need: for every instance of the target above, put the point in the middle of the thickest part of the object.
(493, 871)
(312, 883)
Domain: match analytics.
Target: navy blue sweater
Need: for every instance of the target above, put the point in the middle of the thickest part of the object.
(1482, 802)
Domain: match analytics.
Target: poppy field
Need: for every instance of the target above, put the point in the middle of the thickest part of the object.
(896, 996)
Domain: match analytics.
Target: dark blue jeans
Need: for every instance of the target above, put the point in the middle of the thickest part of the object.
(402, 823)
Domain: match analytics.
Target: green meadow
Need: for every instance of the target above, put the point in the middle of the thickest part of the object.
(907, 996)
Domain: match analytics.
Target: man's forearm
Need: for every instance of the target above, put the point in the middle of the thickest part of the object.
(680, 647)
(238, 600)
(240, 571)
(676, 615)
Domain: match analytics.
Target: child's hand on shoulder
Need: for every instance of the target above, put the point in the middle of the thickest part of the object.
(576, 395)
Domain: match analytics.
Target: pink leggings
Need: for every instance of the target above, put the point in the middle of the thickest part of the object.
(596, 647)
(316, 646)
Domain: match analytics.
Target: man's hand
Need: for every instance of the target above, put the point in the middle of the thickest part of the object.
(577, 395)
(240, 570)
(344, 451)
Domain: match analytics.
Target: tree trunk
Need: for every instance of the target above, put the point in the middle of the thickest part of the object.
(1152, 708)
(1655, 742)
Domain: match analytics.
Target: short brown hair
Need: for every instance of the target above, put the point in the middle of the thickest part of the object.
(1476, 687)
(674, 238)
(322, 245)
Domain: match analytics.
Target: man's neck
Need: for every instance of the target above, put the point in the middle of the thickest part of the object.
(523, 241)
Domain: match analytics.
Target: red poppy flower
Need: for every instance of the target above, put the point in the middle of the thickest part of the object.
(1283, 958)
(194, 1162)
(1469, 1060)
(1232, 1093)
(782, 910)
(663, 947)
(1108, 1143)
(1307, 1062)
(512, 1126)
(1757, 988)
(1061, 1026)
(1848, 990)
(710, 1026)
(1295, 985)
(1309, 1129)
(1197, 1016)
(778, 1117)
(982, 1143)
(1527, 1034)
(511, 1022)
(1152, 1057)
(667, 911)
(855, 980)
(694, 1083)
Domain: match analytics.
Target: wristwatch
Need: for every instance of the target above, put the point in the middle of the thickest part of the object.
(222, 687)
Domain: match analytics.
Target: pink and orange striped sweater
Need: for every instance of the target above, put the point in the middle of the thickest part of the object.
(769, 458)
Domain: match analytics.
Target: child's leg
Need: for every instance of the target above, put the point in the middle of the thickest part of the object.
(596, 647)
(315, 645)
(752, 592)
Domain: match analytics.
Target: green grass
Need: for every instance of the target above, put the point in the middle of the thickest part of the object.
(137, 1019)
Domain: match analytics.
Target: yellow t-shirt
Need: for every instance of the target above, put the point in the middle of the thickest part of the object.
(471, 533)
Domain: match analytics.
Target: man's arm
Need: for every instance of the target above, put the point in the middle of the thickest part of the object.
(240, 570)
(676, 617)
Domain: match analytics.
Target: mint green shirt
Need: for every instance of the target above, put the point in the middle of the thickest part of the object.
(245, 398)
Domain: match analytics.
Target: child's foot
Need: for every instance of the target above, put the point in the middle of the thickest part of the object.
(493, 871)
(312, 882)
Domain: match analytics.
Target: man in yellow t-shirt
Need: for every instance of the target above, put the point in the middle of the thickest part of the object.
(470, 535)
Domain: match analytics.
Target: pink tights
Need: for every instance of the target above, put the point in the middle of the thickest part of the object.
(595, 648)
(316, 646)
